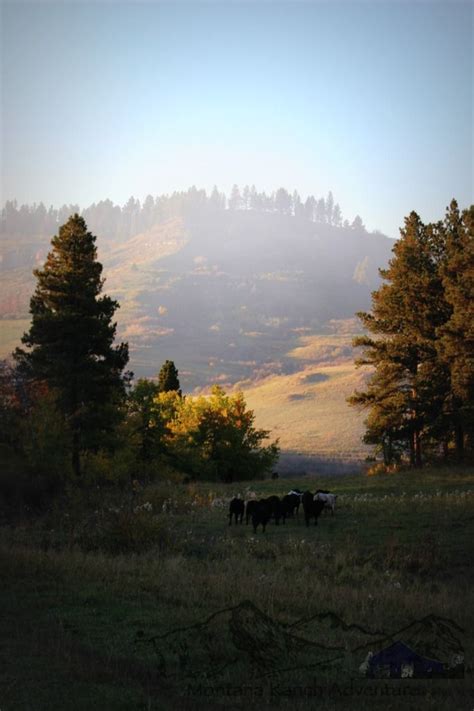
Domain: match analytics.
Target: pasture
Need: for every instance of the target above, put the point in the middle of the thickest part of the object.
(307, 410)
(150, 600)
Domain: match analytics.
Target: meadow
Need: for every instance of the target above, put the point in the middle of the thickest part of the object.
(148, 599)
(307, 410)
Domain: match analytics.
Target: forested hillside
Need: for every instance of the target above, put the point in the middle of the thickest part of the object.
(224, 286)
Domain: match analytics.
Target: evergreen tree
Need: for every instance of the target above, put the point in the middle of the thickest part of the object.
(217, 200)
(70, 341)
(357, 224)
(456, 335)
(147, 214)
(329, 208)
(409, 386)
(298, 210)
(141, 409)
(246, 198)
(320, 211)
(309, 208)
(337, 215)
(235, 200)
(283, 201)
(254, 199)
(168, 378)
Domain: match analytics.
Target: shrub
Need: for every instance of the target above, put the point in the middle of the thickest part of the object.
(103, 467)
(23, 488)
(381, 468)
(119, 531)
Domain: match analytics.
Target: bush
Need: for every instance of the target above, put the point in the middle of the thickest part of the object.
(381, 468)
(120, 531)
(425, 558)
(21, 487)
(103, 467)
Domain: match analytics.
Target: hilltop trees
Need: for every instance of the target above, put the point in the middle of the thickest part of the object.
(422, 341)
(168, 378)
(115, 222)
(70, 341)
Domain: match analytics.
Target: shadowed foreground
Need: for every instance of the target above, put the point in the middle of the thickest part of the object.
(111, 604)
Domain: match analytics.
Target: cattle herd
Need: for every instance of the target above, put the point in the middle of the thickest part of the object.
(261, 511)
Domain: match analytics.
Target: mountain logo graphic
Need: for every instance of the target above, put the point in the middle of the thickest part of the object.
(243, 640)
(427, 648)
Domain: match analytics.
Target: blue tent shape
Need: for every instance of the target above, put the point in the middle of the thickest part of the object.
(399, 660)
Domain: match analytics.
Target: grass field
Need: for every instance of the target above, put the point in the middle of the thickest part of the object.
(152, 601)
(308, 410)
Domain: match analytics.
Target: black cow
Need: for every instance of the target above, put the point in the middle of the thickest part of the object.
(236, 509)
(278, 509)
(291, 502)
(261, 514)
(311, 508)
(250, 508)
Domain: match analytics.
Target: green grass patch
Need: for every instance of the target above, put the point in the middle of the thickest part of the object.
(84, 623)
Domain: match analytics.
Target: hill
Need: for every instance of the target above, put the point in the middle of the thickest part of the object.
(307, 409)
(224, 293)
(262, 299)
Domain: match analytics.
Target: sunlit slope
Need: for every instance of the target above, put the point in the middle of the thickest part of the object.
(308, 409)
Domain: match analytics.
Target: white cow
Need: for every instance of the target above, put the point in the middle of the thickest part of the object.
(329, 500)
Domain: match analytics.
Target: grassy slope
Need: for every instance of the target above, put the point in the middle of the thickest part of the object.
(307, 409)
(73, 621)
(309, 413)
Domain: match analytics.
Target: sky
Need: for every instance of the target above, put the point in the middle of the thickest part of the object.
(371, 100)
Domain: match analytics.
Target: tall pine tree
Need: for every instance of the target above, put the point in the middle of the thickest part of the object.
(70, 341)
(168, 378)
(409, 385)
(456, 335)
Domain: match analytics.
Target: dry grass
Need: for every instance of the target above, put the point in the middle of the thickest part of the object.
(308, 410)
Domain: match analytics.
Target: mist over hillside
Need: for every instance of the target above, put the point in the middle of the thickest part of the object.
(224, 287)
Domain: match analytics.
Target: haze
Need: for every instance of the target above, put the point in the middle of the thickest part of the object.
(370, 100)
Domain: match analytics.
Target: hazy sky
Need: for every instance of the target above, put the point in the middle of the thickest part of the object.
(371, 100)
